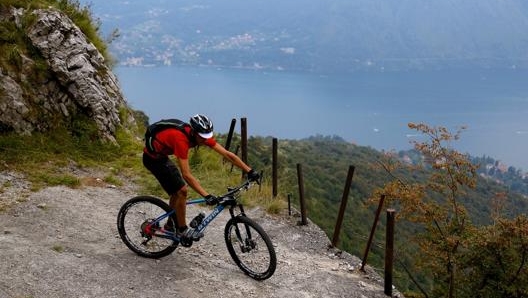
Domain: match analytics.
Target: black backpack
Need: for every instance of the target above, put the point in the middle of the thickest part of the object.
(154, 128)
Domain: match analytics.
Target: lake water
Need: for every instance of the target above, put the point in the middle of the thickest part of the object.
(369, 109)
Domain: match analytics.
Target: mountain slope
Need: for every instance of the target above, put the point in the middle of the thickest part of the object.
(320, 36)
(76, 252)
(325, 162)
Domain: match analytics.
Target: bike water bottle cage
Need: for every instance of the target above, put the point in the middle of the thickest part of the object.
(154, 128)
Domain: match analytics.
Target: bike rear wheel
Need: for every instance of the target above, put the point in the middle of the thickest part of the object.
(250, 247)
(136, 229)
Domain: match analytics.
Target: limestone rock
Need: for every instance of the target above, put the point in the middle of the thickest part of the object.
(77, 81)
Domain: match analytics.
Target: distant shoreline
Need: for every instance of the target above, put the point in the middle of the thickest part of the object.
(369, 109)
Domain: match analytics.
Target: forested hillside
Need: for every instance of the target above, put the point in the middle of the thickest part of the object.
(325, 162)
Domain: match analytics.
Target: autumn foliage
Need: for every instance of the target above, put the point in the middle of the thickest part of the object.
(459, 258)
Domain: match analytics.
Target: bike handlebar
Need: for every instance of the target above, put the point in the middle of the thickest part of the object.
(231, 192)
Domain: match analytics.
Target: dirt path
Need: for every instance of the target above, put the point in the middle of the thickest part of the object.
(62, 242)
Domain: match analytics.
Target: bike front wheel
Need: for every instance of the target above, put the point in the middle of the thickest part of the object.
(137, 227)
(250, 247)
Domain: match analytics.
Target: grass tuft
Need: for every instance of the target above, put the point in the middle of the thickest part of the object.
(58, 248)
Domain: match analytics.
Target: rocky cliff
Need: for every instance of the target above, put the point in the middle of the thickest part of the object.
(55, 77)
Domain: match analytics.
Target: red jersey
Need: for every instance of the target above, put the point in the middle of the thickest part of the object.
(173, 141)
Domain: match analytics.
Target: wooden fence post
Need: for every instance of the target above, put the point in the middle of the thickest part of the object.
(230, 134)
(344, 201)
(301, 194)
(274, 168)
(369, 243)
(289, 204)
(389, 251)
(243, 142)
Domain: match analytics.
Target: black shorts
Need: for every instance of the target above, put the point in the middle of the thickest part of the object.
(166, 172)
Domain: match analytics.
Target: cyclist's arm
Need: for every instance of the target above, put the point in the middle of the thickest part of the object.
(233, 158)
(189, 178)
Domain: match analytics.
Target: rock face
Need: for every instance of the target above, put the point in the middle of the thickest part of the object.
(67, 79)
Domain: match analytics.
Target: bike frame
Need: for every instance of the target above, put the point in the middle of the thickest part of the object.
(226, 200)
(247, 243)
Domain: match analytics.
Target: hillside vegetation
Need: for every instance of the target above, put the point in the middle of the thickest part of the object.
(447, 213)
(49, 160)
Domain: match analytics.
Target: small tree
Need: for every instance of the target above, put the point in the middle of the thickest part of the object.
(435, 205)
(462, 260)
(496, 261)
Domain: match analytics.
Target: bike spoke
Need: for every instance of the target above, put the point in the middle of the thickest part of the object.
(250, 253)
(139, 230)
(251, 248)
(143, 213)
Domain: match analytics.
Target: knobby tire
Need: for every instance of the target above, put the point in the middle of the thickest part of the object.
(131, 220)
(250, 247)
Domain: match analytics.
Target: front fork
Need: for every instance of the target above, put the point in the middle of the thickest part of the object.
(232, 210)
(247, 244)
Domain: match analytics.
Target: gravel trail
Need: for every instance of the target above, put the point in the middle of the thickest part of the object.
(63, 242)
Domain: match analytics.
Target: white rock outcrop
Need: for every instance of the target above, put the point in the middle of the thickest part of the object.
(76, 82)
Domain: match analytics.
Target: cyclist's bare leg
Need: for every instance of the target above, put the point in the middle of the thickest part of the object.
(178, 202)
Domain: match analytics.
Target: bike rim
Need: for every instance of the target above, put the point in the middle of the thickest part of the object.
(140, 232)
(250, 249)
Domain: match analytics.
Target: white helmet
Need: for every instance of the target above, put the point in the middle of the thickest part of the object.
(202, 125)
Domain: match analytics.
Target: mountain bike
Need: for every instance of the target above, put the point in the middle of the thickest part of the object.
(140, 221)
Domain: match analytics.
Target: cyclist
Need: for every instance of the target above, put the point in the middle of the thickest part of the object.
(176, 138)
